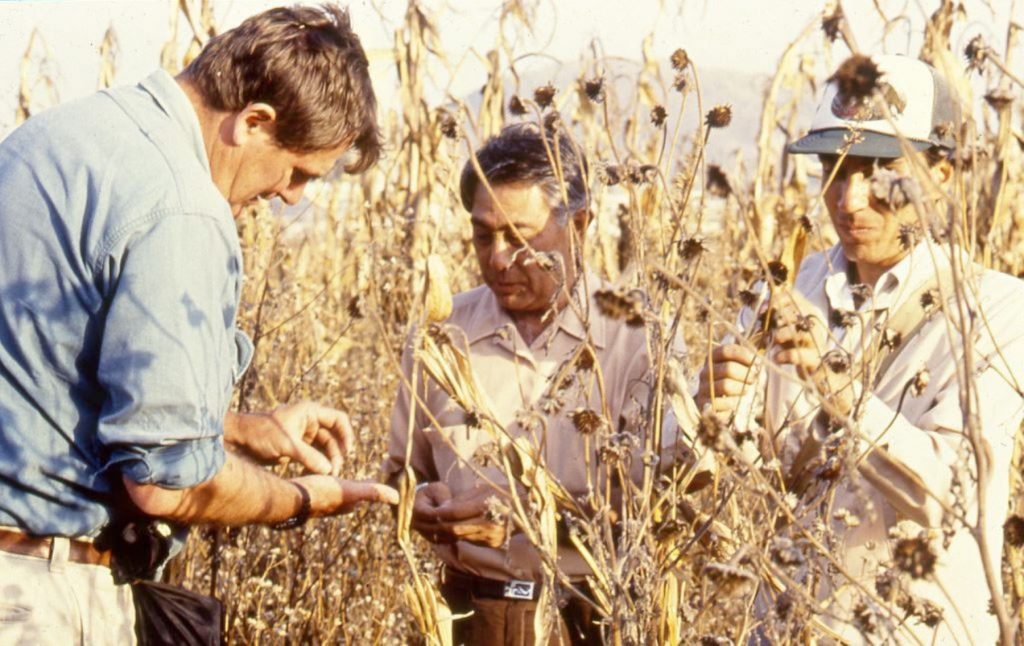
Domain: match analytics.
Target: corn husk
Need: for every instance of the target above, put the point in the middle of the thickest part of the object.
(438, 293)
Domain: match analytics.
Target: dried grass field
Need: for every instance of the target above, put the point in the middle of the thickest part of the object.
(333, 291)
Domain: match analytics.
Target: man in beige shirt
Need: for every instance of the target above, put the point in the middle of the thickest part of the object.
(554, 369)
(895, 372)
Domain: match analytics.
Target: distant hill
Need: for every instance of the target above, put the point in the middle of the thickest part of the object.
(743, 91)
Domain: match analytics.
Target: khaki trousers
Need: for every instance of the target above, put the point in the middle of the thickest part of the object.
(55, 602)
(509, 622)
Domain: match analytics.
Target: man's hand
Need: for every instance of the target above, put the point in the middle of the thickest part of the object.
(315, 436)
(330, 496)
(800, 339)
(730, 373)
(442, 518)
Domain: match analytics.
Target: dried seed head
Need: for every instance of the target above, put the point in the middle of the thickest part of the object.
(929, 300)
(857, 78)
(842, 318)
(594, 89)
(730, 579)
(886, 585)
(620, 304)
(837, 361)
(544, 95)
(553, 121)
(718, 182)
(748, 297)
(357, 306)
(861, 291)
(680, 83)
(784, 604)
(920, 382)
(586, 359)
(552, 404)
(778, 271)
(891, 339)
(1013, 531)
(680, 59)
(719, 116)
(929, 613)
(914, 556)
(609, 174)
(658, 115)
(692, 247)
(909, 235)
(516, 107)
(864, 618)
(486, 454)
(943, 130)
(831, 469)
(496, 511)
(1000, 99)
(440, 336)
(449, 126)
(785, 552)
(831, 23)
(712, 431)
(586, 421)
(976, 52)
(894, 190)
(633, 174)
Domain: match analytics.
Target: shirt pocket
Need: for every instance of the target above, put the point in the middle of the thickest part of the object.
(459, 451)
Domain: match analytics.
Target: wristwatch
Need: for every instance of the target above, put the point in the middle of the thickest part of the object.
(301, 516)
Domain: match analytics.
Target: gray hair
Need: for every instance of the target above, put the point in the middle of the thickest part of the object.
(520, 153)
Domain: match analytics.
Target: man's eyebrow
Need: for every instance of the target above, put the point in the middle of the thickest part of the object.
(310, 175)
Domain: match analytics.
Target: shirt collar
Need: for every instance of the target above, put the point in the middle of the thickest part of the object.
(902, 278)
(176, 104)
(489, 319)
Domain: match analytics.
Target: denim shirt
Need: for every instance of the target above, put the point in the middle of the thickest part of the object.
(120, 274)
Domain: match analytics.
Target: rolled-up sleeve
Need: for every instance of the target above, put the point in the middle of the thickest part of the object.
(169, 353)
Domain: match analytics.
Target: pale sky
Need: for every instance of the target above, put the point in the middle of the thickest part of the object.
(746, 35)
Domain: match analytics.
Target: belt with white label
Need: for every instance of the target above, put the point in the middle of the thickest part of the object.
(515, 590)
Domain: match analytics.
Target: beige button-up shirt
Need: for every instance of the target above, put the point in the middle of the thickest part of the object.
(517, 380)
(920, 429)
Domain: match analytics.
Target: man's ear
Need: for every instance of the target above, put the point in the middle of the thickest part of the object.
(942, 172)
(580, 220)
(254, 121)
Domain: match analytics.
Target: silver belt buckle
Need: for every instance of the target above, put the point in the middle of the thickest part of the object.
(522, 590)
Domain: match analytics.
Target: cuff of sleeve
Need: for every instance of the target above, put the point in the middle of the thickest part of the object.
(177, 466)
(877, 422)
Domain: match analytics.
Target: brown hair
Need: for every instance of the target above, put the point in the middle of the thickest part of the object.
(305, 62)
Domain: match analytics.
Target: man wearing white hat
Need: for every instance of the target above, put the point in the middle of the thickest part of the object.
(892, 375)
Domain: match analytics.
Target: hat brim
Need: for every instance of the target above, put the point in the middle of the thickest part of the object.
(868, 144)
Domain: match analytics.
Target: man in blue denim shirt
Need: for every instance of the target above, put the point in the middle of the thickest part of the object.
(120, 274)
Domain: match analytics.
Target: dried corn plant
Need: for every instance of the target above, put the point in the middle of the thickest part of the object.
(335, 291)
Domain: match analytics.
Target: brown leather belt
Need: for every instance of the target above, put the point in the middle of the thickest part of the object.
(15, 542)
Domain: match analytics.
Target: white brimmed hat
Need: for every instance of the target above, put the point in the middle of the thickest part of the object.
(920, 107)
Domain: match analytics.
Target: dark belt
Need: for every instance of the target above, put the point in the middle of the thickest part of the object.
(15, 542)
(515, 589)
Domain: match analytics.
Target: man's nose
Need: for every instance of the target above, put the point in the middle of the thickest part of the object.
(854, 192)
(292, 194)
(502, 254)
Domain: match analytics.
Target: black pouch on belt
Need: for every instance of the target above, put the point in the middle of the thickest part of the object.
(164, 614)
